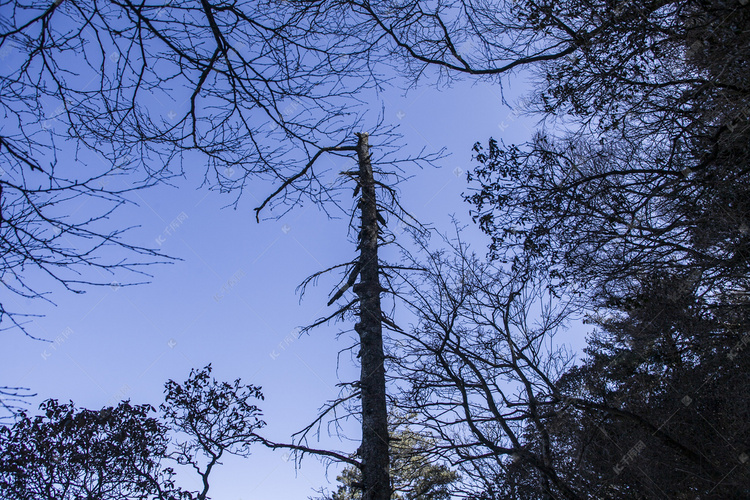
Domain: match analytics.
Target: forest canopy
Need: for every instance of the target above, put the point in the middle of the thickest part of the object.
(629, 207)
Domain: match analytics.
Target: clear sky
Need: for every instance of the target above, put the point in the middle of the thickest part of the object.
(231, 299)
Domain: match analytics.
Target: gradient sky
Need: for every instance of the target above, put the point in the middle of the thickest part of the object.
(231, 300)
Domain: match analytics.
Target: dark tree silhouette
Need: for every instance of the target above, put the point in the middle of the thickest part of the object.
(127, 451)
(483, 373)
(665, 409)
(649, 174)
(69, 453)
(637, 207)
(368, 277)
(643, 182)
(210, 419)
(478, 370)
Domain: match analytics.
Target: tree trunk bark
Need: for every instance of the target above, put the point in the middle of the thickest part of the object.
(374, 450)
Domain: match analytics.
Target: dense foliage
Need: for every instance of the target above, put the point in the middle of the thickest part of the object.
(631, 206)
(638, 207)
(127, 451)
(70, 453)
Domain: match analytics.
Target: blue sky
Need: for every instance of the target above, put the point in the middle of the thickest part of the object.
(231, 300)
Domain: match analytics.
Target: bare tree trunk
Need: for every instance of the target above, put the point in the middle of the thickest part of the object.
(374, 450)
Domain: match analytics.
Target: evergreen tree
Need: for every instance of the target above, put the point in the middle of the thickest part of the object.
(413, 477)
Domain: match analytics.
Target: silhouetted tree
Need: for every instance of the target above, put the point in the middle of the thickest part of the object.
(637, 208)
(666, 405)
(649, 174)
(478, 370)
(643, 182)
(210, 419)
(67, 453)
(482, 372)
(368, 277)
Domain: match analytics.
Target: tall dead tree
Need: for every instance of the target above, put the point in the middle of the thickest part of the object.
(374, 450)
(362, 275)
